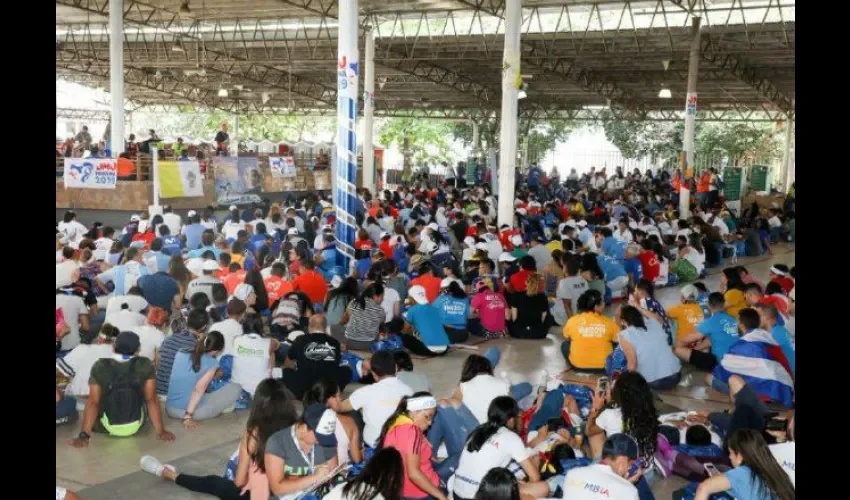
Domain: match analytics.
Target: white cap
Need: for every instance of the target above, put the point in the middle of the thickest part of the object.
(327, 227)
(516, 239)
(469, 241)
(506, 257)
(689, 292)
(192, 213)
(336, 281)
(431, 247)
(418, 294)
(446, 282)
(581, 223)
(481, 246)
(243, 291)
(384, 234)
(210, 265)
(294, 335)
(534, 203)
(571, 223)
(135, 218)
(292, 232)
(433, 226)
(522, 211)
(195, 266)
(233, 207)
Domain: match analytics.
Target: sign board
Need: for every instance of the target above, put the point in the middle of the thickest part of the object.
(758, 177)
(732, 180)
(91, 173)
(691, 104)
(283, 166)
(237, 180)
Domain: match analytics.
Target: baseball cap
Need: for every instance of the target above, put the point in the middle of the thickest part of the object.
(581, 223)
(481, 246)
(620, 445)
(516, 240)
(292, 232)
(417, 293)
(210, 265)
(192, 213)
(232, 208)
(127, 343)
(571, 223)
(433, 226)
(506, 257)
(327, 227)
(469, 241)
(135, 218)
(689, 292)
(385, 234)
(322, 421)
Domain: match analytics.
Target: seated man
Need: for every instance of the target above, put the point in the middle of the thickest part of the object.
(119, 390)
(610, 475)
(312, 357)
(77, 364)
(713, 337)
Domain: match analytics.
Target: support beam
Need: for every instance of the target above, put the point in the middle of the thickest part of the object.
(368, 114)
(690, 120)
(510, 103)
(116, 77)
(786, 174)
(345, 191)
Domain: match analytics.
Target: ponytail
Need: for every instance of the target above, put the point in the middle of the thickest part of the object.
(502, 409)
(213, 341)
(370, 291)
(533, 284)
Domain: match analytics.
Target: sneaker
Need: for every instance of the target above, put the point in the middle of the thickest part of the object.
(686, 381)
(151, 465)
(229, 409)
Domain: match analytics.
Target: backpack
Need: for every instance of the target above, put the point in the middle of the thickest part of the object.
(122, 401)
(684, 270)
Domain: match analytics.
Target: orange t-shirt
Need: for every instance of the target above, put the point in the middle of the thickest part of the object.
(592, 338)
(277, 287)
(431, 285)
(312, 284)
(125, 167)
(233, 280)
(687, 317)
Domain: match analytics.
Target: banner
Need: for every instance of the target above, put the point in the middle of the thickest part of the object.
(283, 166)
(178, 179)
(237, 180)
(91, 173)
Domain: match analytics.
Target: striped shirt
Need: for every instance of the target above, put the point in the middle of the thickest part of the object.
(363, 324)
(169, 347)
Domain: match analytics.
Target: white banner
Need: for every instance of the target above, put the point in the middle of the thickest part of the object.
(91, 173)
(283, 166)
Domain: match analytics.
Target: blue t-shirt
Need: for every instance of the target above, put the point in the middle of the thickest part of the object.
(182, 381)
(453, 311)
(633, 267)
(615, 248)
(702, 300)
(194, 254)
(425, 318)
(534, 175)
(171, 245)
(722, 330)
(193, 233)
(610, 267)
(159, 289)
(745, 486)
(783, 338)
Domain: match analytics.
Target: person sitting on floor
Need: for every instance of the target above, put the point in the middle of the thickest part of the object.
(453, 307)
(610, 475)
(644, 344)
(688, 314)
(77, 364)
(312, 357)
(589, 336)
(716, 333)
(121, 388)
(488, 311)
(529, 313)
(423, 333)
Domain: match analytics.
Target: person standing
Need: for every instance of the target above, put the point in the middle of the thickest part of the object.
(222, 141)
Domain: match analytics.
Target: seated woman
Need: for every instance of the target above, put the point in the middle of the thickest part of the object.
(342, 292)
(756, 474)
(191, 375)
(488, 311)
(453, 307)
(529, 316)
(404, 431)
(271, 411)
(423, 333)
(644, 344)
(589, 335)
(381, 478)
(648, 305)
(495, 443)
(362, 319)
(499, 484)
(349, 447)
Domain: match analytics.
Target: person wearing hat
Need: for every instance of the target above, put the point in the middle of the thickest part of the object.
(610, 475)
(423, 332)
(204, 283)
(688, 314)
(428, 281)
(520, 249)
(109, 409)
(453, 307)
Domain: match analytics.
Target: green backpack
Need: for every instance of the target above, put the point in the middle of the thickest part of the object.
(684, 270)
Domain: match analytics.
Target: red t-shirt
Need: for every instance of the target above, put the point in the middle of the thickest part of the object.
(780, 303)
(363, 244)
(785, 282)
(277, 287)
(410, 440)
(431, 284)
(519, 278)
(233, 280)
(564, 211)
(650, 266)
(505, 239)
(313, 285)
(386, 249)
(147, 237)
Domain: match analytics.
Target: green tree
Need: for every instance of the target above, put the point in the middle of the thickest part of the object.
(430, 140)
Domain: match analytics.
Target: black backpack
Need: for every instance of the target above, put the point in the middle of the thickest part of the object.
(122, 401)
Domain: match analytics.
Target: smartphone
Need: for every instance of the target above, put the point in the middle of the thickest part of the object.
(777, 424)
(710, 469)
(636, 465)
(602, 385)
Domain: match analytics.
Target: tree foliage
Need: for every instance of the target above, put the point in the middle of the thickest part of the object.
(541, 137)
(430, 140)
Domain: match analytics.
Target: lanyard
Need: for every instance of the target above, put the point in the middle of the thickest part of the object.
(310, 461)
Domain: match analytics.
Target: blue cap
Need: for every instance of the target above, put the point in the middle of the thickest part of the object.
(620, 445)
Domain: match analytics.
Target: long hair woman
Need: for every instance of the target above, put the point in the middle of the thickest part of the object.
(732, 288)
(756, 474)
(382, 477)
(405, 431)
(498, 484)
(349, 447)
(495, 444)
(647, 351)
(271, 411)
(530, 317)
(180, 273)
(337, 300)
(364, 317)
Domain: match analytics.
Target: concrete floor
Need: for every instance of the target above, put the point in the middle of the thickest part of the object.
(108, 468)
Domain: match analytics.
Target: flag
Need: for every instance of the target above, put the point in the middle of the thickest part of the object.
(178, 179)
(758, 359)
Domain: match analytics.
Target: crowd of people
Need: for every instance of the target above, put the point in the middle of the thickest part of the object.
(171, 319)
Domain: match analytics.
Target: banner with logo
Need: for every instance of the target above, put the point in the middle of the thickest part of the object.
(282, 166)
(178, 179)
(91, 173)
(237, 180)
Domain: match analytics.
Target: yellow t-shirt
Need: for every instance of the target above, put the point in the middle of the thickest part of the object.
(687, 317)
(554, 245)
(577, 209)
(735, 301)
(591, 336)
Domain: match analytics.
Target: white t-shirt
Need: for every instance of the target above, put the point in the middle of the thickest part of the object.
(611, 421)
(126, 320)
(251, 361)
(231, 229)
(173, 222)
(377, 403)
(229, 329)
(663, 273)
(65, 271)
(623, 235)
(78, 363)
(150, 339)
(785, 455)
(73, 230)
(774, 222)
(498, 451)
(390, 299)
(72, 307)
(479, 392)
(696, 258)
(721, 226)
(135, 303)
(595, 482)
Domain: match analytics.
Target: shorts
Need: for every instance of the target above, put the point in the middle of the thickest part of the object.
(704, 361)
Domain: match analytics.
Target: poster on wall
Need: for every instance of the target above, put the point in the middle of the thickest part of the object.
(178, 179)
(237, 180)
(283, 166)
(91, 173)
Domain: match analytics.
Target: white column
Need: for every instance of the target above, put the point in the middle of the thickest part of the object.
(368, 114)
(116, 74)
(235, 140)
(155, 175)
(345, 194)
(508, 131)
(690, 116)
(784, 176)
(474, 136)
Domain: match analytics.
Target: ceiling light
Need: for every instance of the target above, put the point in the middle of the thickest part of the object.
(666, 64)
(184, 8)
(265, 97)
(238, 87)
(665, 94)
(521, 94)
(176, 47)
(222, 92)
(381, 82)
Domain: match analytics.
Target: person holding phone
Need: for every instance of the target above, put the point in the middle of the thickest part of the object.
(619, 453)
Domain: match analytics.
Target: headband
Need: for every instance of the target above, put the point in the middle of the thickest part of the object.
(774, 270)
(421, 403)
